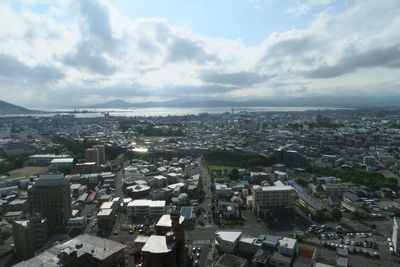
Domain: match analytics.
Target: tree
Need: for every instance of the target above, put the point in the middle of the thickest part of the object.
(234, 174)
(336, 214)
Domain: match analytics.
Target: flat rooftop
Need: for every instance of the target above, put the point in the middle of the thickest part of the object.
(157, 244)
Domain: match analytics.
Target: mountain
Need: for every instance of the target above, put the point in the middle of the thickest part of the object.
(317, 101)
(11, 109)
(113, 104)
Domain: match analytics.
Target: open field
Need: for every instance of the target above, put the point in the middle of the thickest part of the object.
(221, 167)
(26, 171)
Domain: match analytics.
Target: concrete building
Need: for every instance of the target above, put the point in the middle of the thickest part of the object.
(306, 257)
(17, 148)
(57, 164)
(44, 159)
(266, 198)
(159, 251)
(51, 197)
(167, 246)
(396, 235)
(29, 235)
(227, 240)
(228, 260)
(144, 207)
(83, 250)
(96, 154)
(223, 190)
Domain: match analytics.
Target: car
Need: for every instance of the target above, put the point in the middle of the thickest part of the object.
(130, 232)
(244, 218)
(196, 263)
(198, 255)
(116, 232)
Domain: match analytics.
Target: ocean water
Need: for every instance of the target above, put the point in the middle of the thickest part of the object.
(146, 112)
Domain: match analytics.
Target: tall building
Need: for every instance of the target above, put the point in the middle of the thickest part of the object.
(102, 153)
(167, 246)
(91, 155)
(51, 197)
(268, 198)
(29, 235)
(96, 154)
(396, 235)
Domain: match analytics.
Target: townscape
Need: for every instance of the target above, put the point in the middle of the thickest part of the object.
(308, 188)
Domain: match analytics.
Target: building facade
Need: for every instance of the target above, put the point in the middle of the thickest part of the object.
(51, 197)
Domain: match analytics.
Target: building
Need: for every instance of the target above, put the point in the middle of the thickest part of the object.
(223, 190)
(227, 240)
(228, 260)
(266, 198)
(51, 197)
(228, 209)
(96, 154)
(306, 257)
(167, 246)
(44, 159)
(57, 164)
(396, 235)
(17, 148)
(342, 257)
(311, 203)
(138, 191)
(29, 235)
(290, 158)
(83, 250)
(144, 207)
(159, 251)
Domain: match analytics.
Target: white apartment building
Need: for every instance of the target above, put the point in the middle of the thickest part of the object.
(144, 207)
(267, 198)
(396, 235)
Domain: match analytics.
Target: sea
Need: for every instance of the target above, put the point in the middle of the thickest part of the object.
(166, 111)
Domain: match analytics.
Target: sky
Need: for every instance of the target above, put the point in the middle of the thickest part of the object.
(70, 53)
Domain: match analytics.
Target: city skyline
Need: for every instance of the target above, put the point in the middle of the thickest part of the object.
(66, 53)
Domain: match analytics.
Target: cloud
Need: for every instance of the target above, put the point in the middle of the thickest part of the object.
(12, 68)
(88, 59)
(378, 57)
(183, 49)
(72, 51)
(235, 79)
(96, 25)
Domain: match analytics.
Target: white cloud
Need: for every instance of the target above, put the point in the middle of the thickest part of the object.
(80, 53)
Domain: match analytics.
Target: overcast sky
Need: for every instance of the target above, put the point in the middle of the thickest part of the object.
(68, 52)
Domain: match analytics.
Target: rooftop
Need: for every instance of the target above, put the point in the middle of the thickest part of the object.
(228, 235)
(158, 244)
(228, 260)
(98, 248)
(165, 221)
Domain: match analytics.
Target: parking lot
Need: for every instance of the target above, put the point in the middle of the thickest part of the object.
(365, 248)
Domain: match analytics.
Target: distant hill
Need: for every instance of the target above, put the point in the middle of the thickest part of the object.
(317, 101)
(113, 104)
(10, 109)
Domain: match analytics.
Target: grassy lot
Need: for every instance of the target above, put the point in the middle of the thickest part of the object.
(26, 171)
(221, 167)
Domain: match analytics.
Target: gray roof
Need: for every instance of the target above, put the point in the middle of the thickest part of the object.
(98, 248)
(315, 204)
(228, 260)
(187, 212)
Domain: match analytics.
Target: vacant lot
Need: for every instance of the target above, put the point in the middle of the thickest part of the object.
(26, 171)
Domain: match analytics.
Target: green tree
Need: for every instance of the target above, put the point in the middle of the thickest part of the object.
(336, 214)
